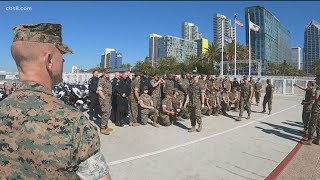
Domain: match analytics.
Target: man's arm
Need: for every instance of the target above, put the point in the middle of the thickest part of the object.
(86, 154)
(300, 87)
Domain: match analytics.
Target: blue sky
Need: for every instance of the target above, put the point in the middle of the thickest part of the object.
(90, 27)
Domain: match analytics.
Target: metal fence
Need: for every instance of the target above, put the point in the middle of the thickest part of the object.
(285, 86)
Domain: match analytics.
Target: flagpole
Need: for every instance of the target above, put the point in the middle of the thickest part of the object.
(249, 45)
(222, 44)
(235, 46)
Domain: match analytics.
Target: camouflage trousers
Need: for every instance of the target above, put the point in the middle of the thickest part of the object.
(156, 102)
(184, 113)
(204, 110)
(314, 125)
(105, 105)
(306, 115)
(146, 113)
(167, 120)
(245, 104)
(133, 111)
(225, 107)
(265, 101)
(236, 104)
(214, 110)
(195, 114)
(257, 95)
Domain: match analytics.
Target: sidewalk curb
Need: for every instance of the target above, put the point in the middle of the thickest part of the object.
(277, 171)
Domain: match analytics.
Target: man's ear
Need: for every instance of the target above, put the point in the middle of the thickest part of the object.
(48, 61)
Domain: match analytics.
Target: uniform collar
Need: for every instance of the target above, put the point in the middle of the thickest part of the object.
(33, 86)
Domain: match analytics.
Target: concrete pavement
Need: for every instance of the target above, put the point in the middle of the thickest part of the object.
(225, 149)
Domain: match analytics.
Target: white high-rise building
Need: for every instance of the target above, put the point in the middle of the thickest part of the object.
(190, 31)
(153, 53)
(217, 30)
(296, 57)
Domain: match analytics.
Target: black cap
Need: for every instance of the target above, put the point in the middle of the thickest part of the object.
(245, 77)
(145, 88)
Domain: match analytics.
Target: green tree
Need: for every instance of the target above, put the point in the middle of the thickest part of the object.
(144, 67)
(128, 66)
(316, 67)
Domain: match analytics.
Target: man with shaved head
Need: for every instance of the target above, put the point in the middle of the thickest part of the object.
(41, 137)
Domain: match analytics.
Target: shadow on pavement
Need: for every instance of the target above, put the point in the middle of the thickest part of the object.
(294, 124)
(277, 131)
(180, 125)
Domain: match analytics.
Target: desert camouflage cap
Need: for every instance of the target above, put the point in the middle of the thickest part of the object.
(42, 33)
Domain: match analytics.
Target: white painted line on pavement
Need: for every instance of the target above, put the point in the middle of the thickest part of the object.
(192, 142)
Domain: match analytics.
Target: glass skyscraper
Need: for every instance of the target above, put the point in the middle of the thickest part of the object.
(311, 50)
(111, 58)
(272, 43)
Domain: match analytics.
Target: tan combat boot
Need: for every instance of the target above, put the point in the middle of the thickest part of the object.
(193, 129)
(155, 124)
(269, 112)
(104, 131)
(109, 129)
(199, 127)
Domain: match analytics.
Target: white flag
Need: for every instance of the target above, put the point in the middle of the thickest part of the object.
(227, 39)
(238, 22)
(253, 26)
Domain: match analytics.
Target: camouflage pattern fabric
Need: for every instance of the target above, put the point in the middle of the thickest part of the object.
(156, 95)
(145, 113)
(165, 118)
(105, 86)
(41, 137)
(41, 33)
(257, 91)
(268, 97)
(245, 98)
(314, 124)
(195, 91)
(133, 102)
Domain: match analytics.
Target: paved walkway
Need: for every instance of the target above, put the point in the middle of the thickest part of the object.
(225, 149)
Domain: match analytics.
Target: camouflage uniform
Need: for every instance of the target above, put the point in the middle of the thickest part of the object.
(166, 119)
(307, 106)
(104, 85)
(314, 124)
(225, 106)
(195, 91)
(245, 90)
(133, 101)
(156, 95)
(145, 113)
(257, 93)
(268, 97)
(42, 138)
(215, 106)
(227, 85)
(169, 85)
(234, 96)
(184, 85)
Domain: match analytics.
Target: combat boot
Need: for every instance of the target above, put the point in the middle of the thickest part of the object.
(199, 127)
(239, 118)
(269, 112)
(263, 111)
(155, 125)
(248, 117)
(135, 124)
(307, 142)
(109, 129)
(316, 141)
(104, 131)
(193, 129)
